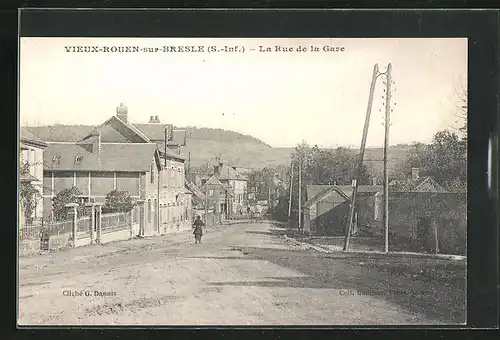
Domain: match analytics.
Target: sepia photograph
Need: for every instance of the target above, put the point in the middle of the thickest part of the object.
(242, 181)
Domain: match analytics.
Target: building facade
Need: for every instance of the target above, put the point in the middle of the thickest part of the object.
(236, 183)
(31, 168)
(219, 197)
(119, 156)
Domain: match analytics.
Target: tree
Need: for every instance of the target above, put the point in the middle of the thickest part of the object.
(206, 169)
(28, 194)
(28, 197)
(445, 159)
(414, 159)
(460, 113)
(117, 201)
(323, 166)
(62, 198)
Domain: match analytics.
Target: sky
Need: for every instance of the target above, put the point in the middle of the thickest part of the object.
(282, 98)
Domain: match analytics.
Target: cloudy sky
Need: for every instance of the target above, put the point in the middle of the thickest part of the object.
(281, 98)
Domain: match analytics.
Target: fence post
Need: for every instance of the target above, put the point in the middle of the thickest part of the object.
(142, 215)
(436, 235)
(73, 212)
(92, 221)
(98, 205)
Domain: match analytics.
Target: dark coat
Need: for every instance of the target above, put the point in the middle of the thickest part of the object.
(198, 230)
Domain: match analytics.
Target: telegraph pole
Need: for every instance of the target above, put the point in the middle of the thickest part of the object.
(300, 192)
(206, 204)
(361, 155)
(166, 139)
(386, 147)
(291, 187)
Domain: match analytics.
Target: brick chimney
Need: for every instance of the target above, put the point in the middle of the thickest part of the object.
(218, 168)
(415, 173)
(96, 142)
(122, 113)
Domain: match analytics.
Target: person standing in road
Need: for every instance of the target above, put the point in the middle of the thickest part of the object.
(198, 230)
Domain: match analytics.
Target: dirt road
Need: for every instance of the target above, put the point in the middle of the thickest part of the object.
(243, 274)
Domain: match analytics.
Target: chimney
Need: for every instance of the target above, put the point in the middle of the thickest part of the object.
(374, 180)
(151, 120)
(157, 120)
(122, 112)
(96, 142)
(415, 173)
(217, 169)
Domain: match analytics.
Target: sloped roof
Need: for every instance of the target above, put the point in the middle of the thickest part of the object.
(171, 154)
(417, 185)
(74, 133)
(325, 190)
(313, 190)
(195, 190)
(215, 181)
(27, 178)
(228, 173)
(362, 189)
(156, 132)
(27, 136)
(113, 157)
(130, 127)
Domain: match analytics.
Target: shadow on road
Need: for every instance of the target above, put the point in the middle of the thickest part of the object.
(222, 257)
(273, 232)
(441, 298)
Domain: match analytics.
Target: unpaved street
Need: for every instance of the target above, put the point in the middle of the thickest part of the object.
(242, 274)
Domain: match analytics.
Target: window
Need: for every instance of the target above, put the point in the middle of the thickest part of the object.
(211, 192)
(151, 171)
(79, 159)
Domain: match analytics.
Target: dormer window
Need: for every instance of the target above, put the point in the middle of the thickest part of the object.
(56, 159)
(79, 159)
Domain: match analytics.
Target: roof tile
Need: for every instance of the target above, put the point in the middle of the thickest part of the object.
(113, 157)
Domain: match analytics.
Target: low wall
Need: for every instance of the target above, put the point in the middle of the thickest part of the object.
(416, 216)
(120, 235)
(81, 242)
(175, 228)
(29, 247)
(60, 241)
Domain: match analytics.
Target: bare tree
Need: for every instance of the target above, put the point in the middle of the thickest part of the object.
(461, 111)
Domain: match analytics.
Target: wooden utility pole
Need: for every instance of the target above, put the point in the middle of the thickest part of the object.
(386, 147)
(165, 153)
(300, 192)
(291, 187)
(229, 194)
(206, 204)
(269, 202)
(360, 161)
